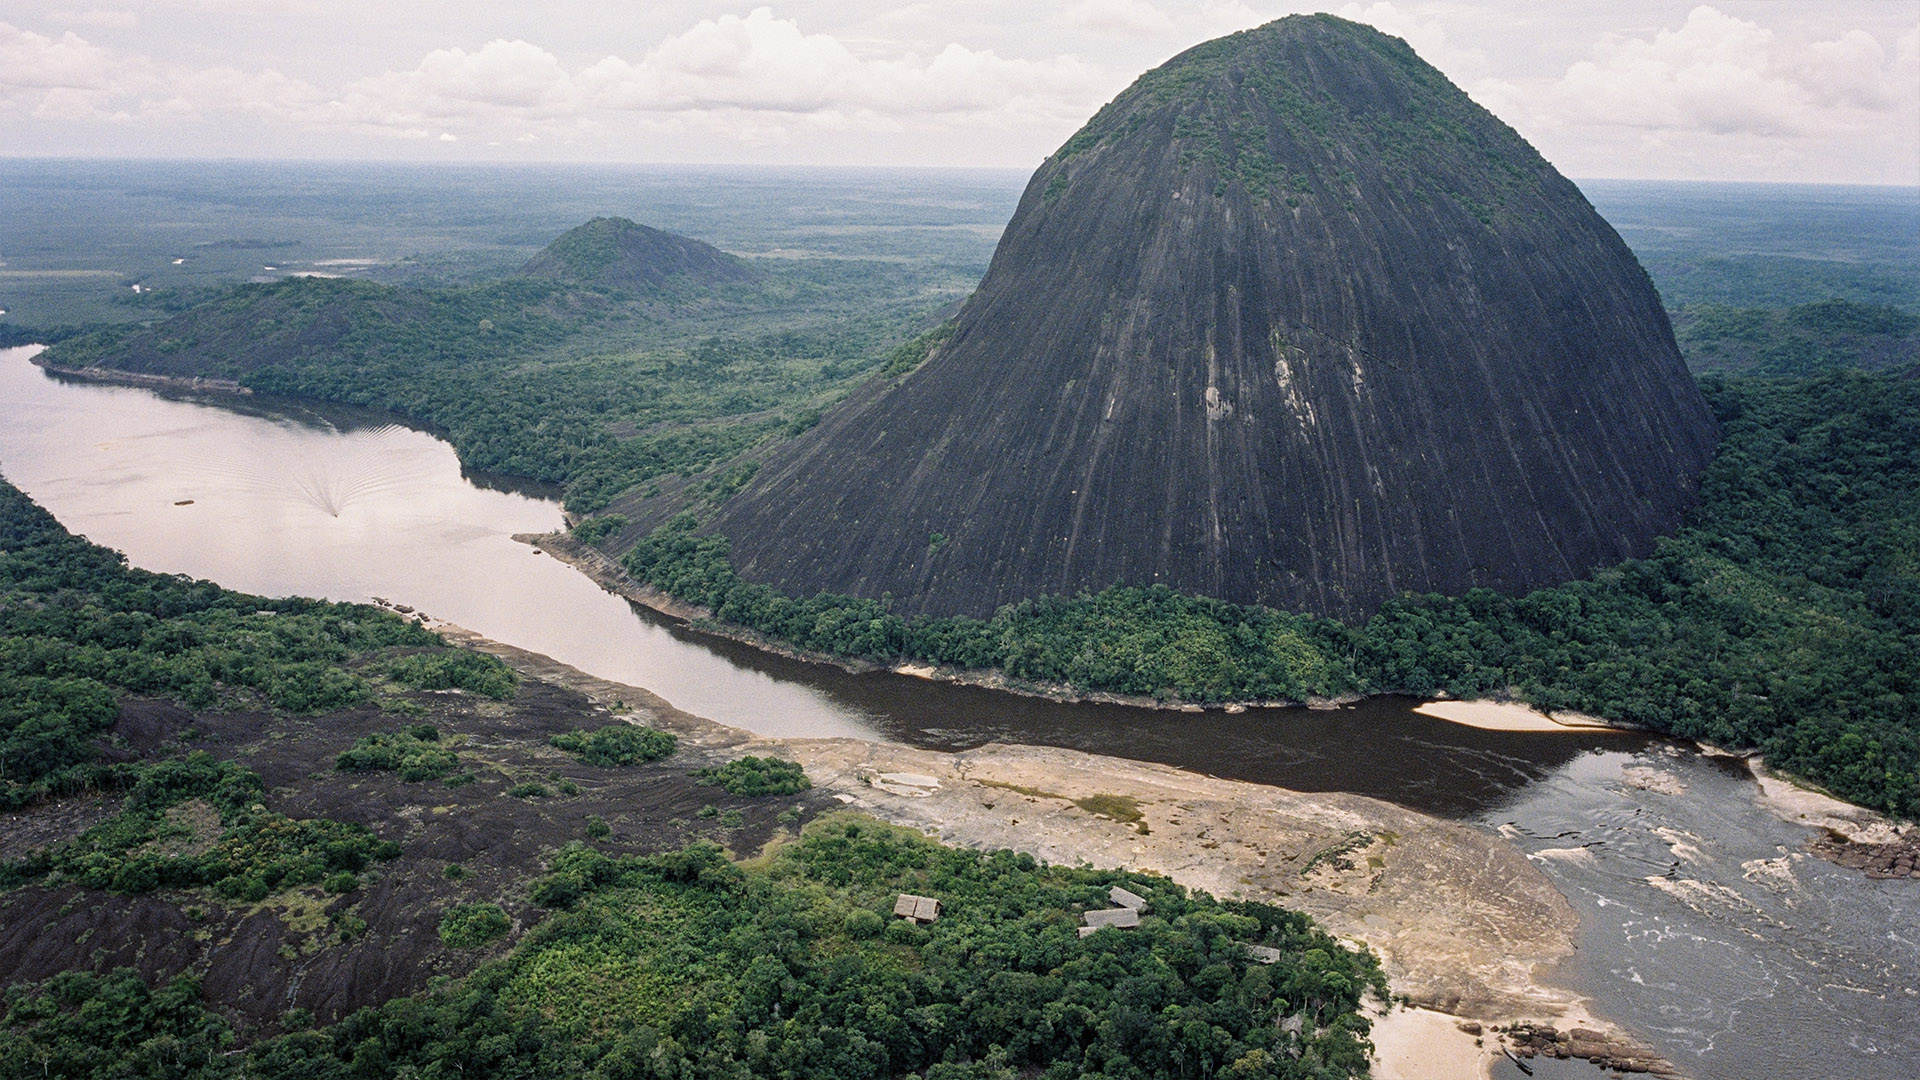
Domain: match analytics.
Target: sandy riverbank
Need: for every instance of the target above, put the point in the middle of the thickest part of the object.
(1512, 716)
(1459, 918)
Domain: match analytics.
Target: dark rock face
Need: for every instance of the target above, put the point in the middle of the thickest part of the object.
(614, 253)
(1291, 321)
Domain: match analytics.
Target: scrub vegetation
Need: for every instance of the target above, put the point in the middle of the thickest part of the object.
(415, 754)
(195, 822)
(682, 962)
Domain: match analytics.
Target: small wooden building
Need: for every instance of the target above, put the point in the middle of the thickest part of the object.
(921, 909)
(1127, 899)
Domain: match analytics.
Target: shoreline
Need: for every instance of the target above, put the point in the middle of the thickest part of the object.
(134, 378)
(611, 576)
(1460, 918)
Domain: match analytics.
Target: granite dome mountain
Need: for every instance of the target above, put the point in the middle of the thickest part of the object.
(1291, 321)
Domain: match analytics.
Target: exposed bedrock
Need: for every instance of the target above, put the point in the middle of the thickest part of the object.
(1291, 321)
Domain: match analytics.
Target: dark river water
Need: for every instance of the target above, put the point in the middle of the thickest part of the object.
(1703, 931)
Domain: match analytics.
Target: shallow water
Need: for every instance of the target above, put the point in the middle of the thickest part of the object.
(1702, 931)
(1705, 926)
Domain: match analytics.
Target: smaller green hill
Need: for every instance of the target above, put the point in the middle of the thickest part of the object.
(614, 253)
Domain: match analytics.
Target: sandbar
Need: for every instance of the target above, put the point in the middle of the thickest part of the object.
(1511, 716)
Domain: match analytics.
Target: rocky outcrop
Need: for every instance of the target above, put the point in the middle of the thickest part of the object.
(1291, 321)
(1607, 1049)
(1898, 857)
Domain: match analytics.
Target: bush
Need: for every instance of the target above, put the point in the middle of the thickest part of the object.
(529, 789)
(617, 744)
(595, 529)
(416, 754)
(456, 669)
(468, 926)
(757, 776)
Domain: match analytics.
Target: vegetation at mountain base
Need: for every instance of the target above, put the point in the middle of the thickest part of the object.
(1806, 339)
(617, 744)
(757, 776)
(79, 629)
(415, 754)
(1785, 616)
(196, 822)
(687, 964)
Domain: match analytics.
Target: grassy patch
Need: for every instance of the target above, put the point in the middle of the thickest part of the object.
(1034, 792)
(1122, 808)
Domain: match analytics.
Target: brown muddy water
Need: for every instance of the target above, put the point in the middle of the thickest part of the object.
(1705, 929)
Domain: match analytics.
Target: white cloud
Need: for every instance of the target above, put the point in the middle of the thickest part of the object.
(70, 79)
(1723, 75)
(764, 63)
(763, 76)
(1119, 16)
(30, 61)
(106, 20)
(452, 82)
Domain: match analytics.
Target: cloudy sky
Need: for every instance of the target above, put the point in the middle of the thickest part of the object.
(1815, 90)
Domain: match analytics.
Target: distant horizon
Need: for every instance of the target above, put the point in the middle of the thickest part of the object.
(750, 166)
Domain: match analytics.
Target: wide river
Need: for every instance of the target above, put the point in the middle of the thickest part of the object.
(1703, 930)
